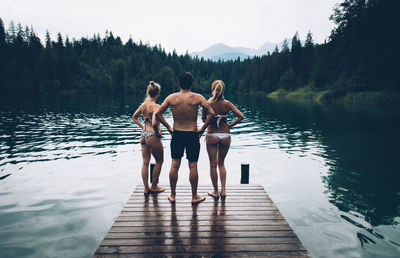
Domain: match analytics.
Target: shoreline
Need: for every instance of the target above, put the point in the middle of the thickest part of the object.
(338, 96)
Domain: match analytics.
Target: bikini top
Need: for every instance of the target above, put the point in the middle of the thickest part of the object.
(219, 118)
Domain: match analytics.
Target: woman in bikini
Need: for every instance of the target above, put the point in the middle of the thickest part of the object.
(218, 136)
(150, 139)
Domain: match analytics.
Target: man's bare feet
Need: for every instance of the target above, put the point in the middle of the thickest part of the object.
(214, 194)
(171, 198)
(199, 198)
(157, 189)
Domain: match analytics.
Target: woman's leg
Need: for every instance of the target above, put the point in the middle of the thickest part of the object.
(222, 151)
(145, 166)
(212, 150)
(156, 149)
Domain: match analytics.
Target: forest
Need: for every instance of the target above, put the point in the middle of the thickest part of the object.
(360, 56)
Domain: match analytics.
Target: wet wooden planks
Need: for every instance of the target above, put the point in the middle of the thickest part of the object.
(246, 223)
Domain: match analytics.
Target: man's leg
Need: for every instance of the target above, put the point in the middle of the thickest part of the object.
(194, 179)
(173, 178)
(176, 155)
(192, 154)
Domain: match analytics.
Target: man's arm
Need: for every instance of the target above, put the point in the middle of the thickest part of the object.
(165, 123)
(160, 111)
(207, 108)
(207, 112)
(205, 125)
(203, 114)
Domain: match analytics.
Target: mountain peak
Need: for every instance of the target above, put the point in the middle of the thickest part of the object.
(221, 51)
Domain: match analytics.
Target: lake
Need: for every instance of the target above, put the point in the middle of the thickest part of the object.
(69, 164)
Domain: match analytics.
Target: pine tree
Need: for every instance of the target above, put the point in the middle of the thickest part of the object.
(285, 46)
(2, 35)
(296, 55)
(48, 40)
(60, 42)
(284, 58)
(11, 34)
(308, 60)
(276, 50)
(288, 80)
(309, 40)
(3, 51)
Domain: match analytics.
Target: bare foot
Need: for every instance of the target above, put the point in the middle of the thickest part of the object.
(146, 190)
(199, 198)
(157, 189)
(223, 193)
(214, 194)
(171, 198)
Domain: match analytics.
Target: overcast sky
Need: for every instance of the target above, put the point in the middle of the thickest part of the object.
(176, 24)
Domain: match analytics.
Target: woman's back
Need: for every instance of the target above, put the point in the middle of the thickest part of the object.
(219, 121)
(149, 139)
(218, 136)
(148, 108)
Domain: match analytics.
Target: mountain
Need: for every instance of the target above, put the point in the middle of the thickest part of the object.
(269, 46)
(223, 52)
(214, 51)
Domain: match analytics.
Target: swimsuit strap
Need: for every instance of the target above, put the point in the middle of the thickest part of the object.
(219, 118)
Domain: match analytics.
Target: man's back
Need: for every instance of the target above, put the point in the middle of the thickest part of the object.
(184, 106)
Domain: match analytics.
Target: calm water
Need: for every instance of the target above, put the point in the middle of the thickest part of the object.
(69, 164)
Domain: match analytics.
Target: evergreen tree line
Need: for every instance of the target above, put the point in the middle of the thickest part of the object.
(361, 55)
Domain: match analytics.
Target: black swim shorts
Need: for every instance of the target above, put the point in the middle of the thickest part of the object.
(188, 140)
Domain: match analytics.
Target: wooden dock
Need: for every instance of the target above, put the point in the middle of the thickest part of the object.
(246, 223)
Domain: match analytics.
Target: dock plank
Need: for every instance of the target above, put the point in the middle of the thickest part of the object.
(244, 224)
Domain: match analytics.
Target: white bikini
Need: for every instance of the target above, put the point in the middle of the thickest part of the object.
(220, 136)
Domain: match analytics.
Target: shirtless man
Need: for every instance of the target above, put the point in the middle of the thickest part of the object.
(184, 105)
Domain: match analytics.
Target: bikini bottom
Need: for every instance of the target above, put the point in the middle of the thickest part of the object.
(145, 135)
(220, 136)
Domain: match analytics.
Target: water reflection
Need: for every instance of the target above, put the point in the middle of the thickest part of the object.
(63, 129)
(175, 232)
(359, 147)
(218, 234)
(358, 144)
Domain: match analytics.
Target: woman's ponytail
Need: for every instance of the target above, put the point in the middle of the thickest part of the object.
(218, 88)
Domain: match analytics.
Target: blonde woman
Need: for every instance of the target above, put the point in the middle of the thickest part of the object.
(150, 139)
(218, 136)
